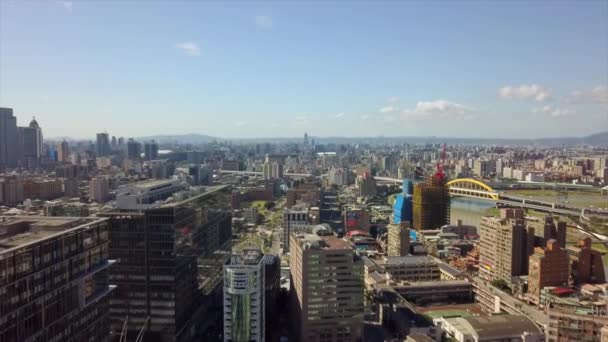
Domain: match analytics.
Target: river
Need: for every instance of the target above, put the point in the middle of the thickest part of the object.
(469, 210)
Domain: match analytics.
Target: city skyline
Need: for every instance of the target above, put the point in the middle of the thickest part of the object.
(270, 70)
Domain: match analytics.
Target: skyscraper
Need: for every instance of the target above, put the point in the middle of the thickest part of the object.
(327, 289)
(244, 297)
(151, 150)
(63, 152)
(8, 137)
(172, 254)
(102, 147)
(133, 149)
(431, 204)
(47, 295)
(29, 144)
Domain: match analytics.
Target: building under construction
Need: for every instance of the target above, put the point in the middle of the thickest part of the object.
(431, 202)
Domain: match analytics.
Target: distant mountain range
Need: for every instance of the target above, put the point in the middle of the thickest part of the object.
(597, 139)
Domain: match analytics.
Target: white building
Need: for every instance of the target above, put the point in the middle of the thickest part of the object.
(244, 315)
(99, 189)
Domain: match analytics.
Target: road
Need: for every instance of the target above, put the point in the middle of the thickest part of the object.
(531, 312)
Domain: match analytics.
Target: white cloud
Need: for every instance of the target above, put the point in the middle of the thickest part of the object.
(67, 5)
(554, 112)
(241, 123)
(525, 92)
(388, 109)
(600, 94)
(274, 125)
(264, 21)
(189, 48)
(364, 117)
(339, 115)
(442, 109)
(393, 99)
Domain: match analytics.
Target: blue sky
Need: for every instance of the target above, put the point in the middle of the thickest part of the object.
(241, 69)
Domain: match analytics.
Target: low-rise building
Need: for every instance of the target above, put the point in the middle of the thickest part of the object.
(512, 328)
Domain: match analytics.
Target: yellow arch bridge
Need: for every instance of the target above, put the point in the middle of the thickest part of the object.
(470, 187)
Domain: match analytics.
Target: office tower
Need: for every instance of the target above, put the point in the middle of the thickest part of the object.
(114, 143)
(549, 266)
(71, 187)
(293, 221)
(398, 239)
(504, 246)
(366, 184)
(29, 144)
(172, 250)
(99, 189)
(305, 138)
(63, 152)
(121, 143)
(244, 297)
(8, 138)
(133, 149)
(431, 204)
(102, 148)
(151, 150)
(587, 263)
(53, 293)
(272, 287)
(327, 289)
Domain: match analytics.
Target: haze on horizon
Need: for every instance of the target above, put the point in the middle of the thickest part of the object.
(507, 70)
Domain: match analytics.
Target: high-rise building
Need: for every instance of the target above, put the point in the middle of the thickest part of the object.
(244, 297)
(11, 191)
(29, 144)
(8, 137)
(546, 229)
(172, 251)
(99, 189)
(587, 263)
(403, 208)
(504, 245)
(327, 289)
(133, 149)
(294, 220)
(431, 204)
(548, 266)
(51, 293)
(151, 150)
(63, 152)
(398, 239)
(102, 147)
(366, 184)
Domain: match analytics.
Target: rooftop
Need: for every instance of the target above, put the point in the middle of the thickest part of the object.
(21, 231)
(409, 260)
(500, 326)
(313, 241)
